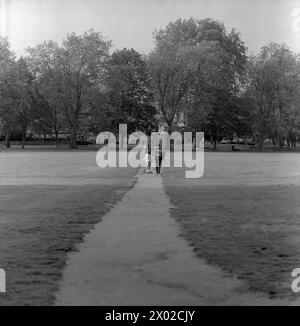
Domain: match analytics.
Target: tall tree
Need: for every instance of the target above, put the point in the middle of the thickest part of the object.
(274, 88)
(24, 97)
(129, 92)
(7, 82)
(193, 64)
(48, 115)
(74, 68)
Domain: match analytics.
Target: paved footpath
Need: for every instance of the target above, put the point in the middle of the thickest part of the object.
(136, 256)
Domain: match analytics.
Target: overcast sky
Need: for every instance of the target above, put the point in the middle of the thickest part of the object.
(130, 23)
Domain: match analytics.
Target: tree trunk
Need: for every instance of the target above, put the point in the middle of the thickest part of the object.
(260, 145)
(7, 138)
(170, 128)
(73, 143)
(216, 136)
(23, 139)
(281, 142)
(56, 138)
(215, 145)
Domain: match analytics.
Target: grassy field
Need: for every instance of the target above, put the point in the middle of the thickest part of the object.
(243, 216)
(48, 201)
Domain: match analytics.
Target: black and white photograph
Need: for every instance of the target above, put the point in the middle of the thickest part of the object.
(150, 155)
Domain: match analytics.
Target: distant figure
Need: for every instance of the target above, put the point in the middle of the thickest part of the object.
(158, 158)
(148, 162)
(235, 149)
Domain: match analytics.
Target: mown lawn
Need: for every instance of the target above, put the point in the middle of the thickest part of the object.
(48, 202)
(243, 216)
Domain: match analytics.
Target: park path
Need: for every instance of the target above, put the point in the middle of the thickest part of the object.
(136, 256)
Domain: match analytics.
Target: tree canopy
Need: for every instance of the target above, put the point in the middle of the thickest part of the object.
(198, 77)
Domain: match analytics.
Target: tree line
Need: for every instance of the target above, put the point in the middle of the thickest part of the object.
(198, 77)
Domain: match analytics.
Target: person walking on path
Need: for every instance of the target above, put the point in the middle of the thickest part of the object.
(148, 163)
(158, 158)
(147, 157)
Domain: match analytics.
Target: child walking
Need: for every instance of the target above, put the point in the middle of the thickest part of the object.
(148, 162)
